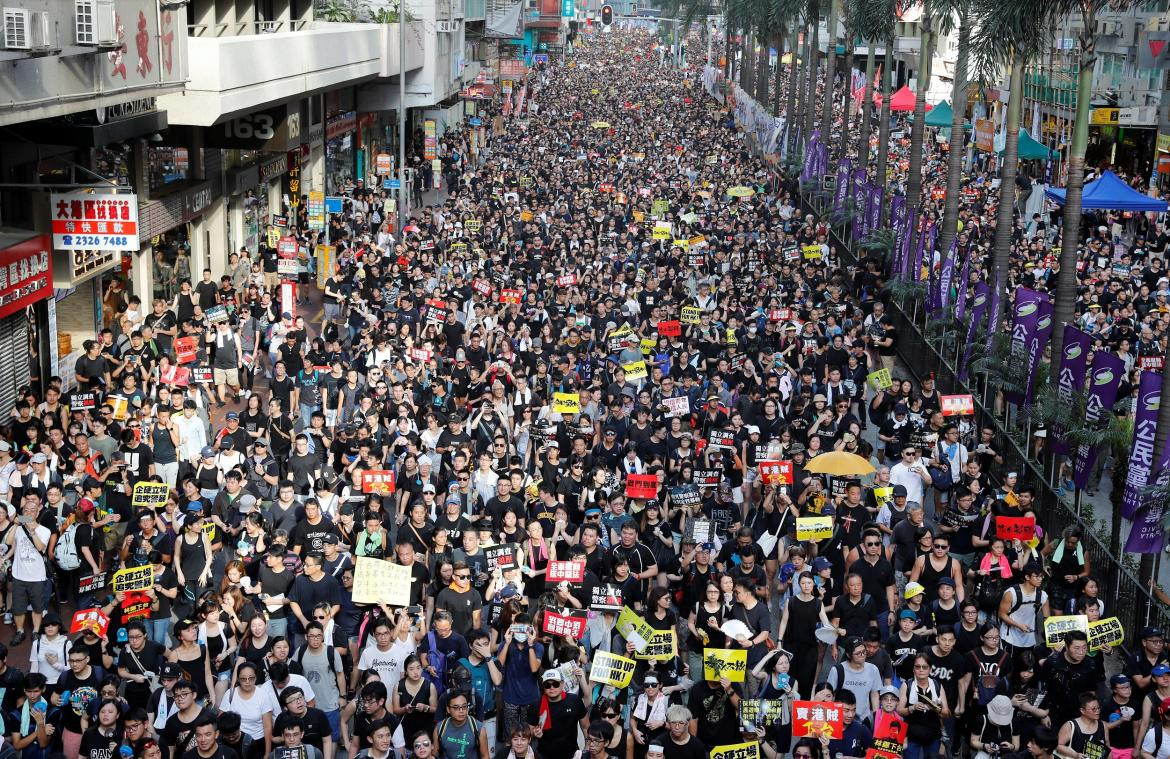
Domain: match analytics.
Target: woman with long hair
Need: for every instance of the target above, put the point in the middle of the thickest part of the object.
(798, 625)
(50, 649)
(220, 640)
(192, 658)
(923, 704)
(192, 562)
(102, 739)
(415, 699)
(236, 611)
(703, 624)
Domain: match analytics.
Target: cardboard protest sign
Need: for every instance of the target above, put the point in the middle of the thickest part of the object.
(660, 646)
(569, 571)
(879, 380)
(814, 528)
(641, 486)
(1015, 528)
(776, 472)
(612, 669)
(813, 719)
(380, 481)
(635, 370)
(749, 750)
(1105, 632)
(133, 578)
(669, 328)
(568, 624)
(567, 403)
(700, 529)
(90, 619)
(721, 440)
(149, 495)
(1056, 627)
(725, 662)
(680, 406)
(605, 598)
(185, 349)
(502, 556)
(957, 405)
(633, 628)
(685, 495)
(376, 580)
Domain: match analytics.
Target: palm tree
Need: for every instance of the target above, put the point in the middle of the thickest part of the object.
(885, 15)
(793, 84)
(917, 127)
(875, 22)
(950, 221)
(810, 114)
(851, 12)
(830, 74)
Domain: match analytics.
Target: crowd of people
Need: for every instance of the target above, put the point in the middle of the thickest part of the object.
(556, 398)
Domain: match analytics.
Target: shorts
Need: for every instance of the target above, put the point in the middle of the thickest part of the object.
(30, 593)
(226, 377)
(332, 311)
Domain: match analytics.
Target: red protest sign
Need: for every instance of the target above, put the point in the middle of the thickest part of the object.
(570, 571)
(379, 481)
(564, 624)
(889, 726)
(175, 375)
(670, 328)
(812, 719)
(510, 295)
(957, 405)
(780, 314)
(185, 349)
(1015, 528)
(776, 472)
(566, 280)
(90, 619)
(641, 486)
(135, 605)
(482, 286)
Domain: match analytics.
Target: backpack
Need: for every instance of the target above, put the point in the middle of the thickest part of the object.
(329, 653)
(988, 687)
(438, 660)
(65, 552)
(1018, 594)
(475, 725)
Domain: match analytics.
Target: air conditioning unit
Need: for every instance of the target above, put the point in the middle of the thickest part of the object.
(94, 23)
(446, 26)
(27, 30)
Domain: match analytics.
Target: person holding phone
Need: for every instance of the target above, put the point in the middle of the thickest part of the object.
(519, 656)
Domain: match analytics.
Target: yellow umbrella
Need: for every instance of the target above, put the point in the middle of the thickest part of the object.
(741, 191)
(600, 125)
(840, 464)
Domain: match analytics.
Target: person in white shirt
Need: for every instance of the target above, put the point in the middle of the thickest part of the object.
(192, 433)
(911, 474)
(27, 543)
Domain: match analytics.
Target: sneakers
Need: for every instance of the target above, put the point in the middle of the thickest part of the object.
(7, 617)
(17, 639)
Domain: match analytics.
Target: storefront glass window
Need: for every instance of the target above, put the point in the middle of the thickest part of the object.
(167, 165)
(113, 162)
(256, 215)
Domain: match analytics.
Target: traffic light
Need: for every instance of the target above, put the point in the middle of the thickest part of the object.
(606, 15)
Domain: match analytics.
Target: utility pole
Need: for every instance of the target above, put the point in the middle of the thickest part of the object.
(402, 192)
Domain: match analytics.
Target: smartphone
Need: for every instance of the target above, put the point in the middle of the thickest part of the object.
(413, 611)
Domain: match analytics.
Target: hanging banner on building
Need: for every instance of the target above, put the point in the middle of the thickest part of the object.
(94, 220)
(430, 142)
(27, 276)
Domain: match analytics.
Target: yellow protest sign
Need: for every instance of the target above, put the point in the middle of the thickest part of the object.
(639, 216)
(880, 379)
(684, 244)
(273, 237)
(696, 240)
(647, 345)
(1105, 632)
(749, 750)
(690, 314)
(660, 646)
(1056, 627)
(725, 662)
(883, 494)
(612, 669)
(150, 495)
(635, 370)
(567, 403)
(376, 580)
(121, 406)
(526, 216)
(660, 234)
(208, 529)
(471, 226)
(133, 578)
(814, 528)
(633, 628)
(811, 251)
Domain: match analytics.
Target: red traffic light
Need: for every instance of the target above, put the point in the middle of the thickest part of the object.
(607, 14)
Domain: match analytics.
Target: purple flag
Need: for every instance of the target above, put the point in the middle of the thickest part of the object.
(961, 298)
(842, 187)
(875, 208)
(898, 221)
(996, 305)
(978, 308)
(1071, 378)
(1036, 346)
(810, 158)
(1104, 378)
(1025, 317)
(947, 274)
(1147, 536)
(859, 195)
(1141, 454)
(920, 249)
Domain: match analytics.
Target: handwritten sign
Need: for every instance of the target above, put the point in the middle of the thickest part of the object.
(380, 481)
(725, 662)
(814, 528)
(1105, 632)
(635, 370)
(377, 580)
(776, 472)
(566, 571)
(669, 328)
(133, 578)
(567, 403)
(812, 719)
(1056, 627)
(605, 598)
(641, 486)
(569, 625)
(150, 495)
(680, 406)
(661, 646)
(957, 405)
(612, 669)
(690, 314)
(1015, 528)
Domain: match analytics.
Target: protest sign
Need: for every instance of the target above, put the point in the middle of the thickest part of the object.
(566, 280)
(706, 477)
(176, 375)
(660, 233)
(375, 581)
(121, 406)
(511, 295)
(957, 405)
(889, 726)
(185, 349)
(569, 571)
(725, 662)
(721, 440)
(814, 528)
(135, 605)
(811, 251)
(567, 403)
(660, 646)
(133, 578)
(605, 598)
(567, 624)
(1015, 528)
(633, 628)
(660, 208)
(90, 619)
(680, 406)
(1105, 632)
(669, 328)
(216, 314)
(879, 380)
(380, 481)
(690, 314)
(612, 669)
(91, 583)
(201, 375)
(502, 556)
(150, 495)
(1056, 627)
(641, 486)
(776, 472)
(685, 495)
(482, 286)
(700, 529)
(812, 719)
(759, 712)
(82, 401)
(749, 750)
(635, 370)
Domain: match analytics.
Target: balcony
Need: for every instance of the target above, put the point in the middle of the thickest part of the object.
(238, 73)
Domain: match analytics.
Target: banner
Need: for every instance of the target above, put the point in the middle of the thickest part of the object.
(1025, 318)
(660, 646)
(749, 750)
(994, 315)
(566, 571)
(964, 279)
(842, 187)
(814, 528)
(567, 624)
(859, 194)
(947, 274)
(612, 669)
(1056, 627)
(812, 719)
(1015, 528)
(377, 580)
(1071, 379)
(725, 662)
(875, 208)
(93, 220)
(567, 403)
(641, 486)
(1141, 454)
(133, 578)
(1104, 378)
(1036, 346)
(1105, 632)
(150, 495)
(978, 308)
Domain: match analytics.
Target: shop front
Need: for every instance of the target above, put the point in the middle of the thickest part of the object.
(175, 243)
(340, 152)
(248, 208)
(28, 346)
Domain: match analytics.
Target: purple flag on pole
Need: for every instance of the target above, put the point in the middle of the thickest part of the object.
(1036, 345)
(1104, 378)
(810, 158)
(1071, 378)
(920, 248)
(1025, 317)
(859, 195)
(1141, 454)
(961, 298)
(947, 274)
(978, 308)
(842, 187)
(875, 208)
(1147, 536)
(898, 222)
(996, 305)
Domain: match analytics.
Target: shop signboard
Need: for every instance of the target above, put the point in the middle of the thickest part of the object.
(317, 211)
(272, 129)
(94, 221)
(25, 274)
(430, 140)
(985, 135)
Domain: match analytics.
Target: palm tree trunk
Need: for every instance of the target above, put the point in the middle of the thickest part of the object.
(950, 221)
(845, 120)
(1066, 284)
(793, 82)
(777, 83)
(827, 113)
(802, 83)
(726, 51)
(884, 128)
(1007, 184)
(810, 113)
(918, 128)
(762, 69)
(866, 108)
(747, 60)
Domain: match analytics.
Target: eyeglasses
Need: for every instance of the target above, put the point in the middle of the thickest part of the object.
(943, 546)
(463, 576)
(552, 684)
(872, 543)
(612, 715)
(246, 678)
(457, 707)
(320, 617)
(421, 744)
(591, 739)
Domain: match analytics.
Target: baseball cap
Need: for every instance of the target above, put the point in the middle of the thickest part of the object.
(170, 671)
(552, 675)
(233, 415)
(331, 539)
(1151, 631)
(39, 458)
(820, 563)
(208, 452)
(1119, 679)
(261, 442)
(889, 690)
(900, 491)
(946, 581)
(907, 614)
(1160, 670)
(428, 488)
(86, 505)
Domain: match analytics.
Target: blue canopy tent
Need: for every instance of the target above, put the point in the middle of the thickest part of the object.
(1112, 194)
